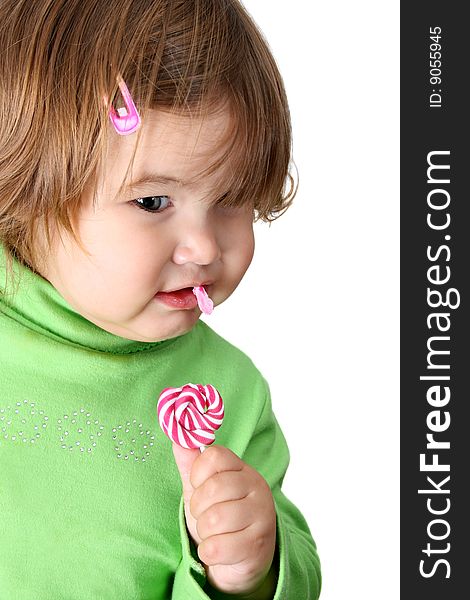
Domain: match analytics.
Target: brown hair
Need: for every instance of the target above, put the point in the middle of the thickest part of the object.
(59, 59)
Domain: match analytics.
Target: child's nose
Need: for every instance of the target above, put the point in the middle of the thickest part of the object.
(197, 245)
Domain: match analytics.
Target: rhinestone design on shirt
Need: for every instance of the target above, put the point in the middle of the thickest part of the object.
(78, 431)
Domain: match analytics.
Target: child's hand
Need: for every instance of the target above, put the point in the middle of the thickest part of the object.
(231, 517)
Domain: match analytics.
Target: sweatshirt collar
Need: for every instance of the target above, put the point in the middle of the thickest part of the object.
(36, 304)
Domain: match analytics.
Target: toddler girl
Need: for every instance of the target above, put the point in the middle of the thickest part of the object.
(113, 207)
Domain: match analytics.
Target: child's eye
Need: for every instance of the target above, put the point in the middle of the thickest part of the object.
(153, 204)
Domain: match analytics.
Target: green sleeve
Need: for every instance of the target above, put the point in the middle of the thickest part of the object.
(299, 565)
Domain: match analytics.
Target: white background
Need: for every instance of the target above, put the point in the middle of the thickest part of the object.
(318, 310)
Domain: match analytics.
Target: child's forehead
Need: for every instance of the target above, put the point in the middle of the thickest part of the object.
(172, 149)
(171, 146)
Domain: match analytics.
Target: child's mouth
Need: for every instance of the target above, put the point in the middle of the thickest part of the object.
(183, 299)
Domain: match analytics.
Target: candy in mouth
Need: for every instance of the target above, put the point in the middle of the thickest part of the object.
(204, 302)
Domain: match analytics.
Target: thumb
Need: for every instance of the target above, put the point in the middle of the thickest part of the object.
(184, 461)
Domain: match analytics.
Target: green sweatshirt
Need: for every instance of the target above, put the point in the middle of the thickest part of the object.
(90, 496)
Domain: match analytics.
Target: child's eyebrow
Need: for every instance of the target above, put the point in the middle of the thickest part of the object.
(148, 177)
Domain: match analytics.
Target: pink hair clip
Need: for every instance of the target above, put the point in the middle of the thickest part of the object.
(126, 119)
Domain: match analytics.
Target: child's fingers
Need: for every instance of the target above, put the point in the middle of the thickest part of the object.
(225, 517)
(221, 487)
(214, 459)
(253, 545)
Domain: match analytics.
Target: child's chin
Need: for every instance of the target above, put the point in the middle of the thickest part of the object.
(190, 319)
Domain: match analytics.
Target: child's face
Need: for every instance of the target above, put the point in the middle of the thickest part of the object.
(135, 253)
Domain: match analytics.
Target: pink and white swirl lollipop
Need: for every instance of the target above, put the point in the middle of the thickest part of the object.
(189, 415)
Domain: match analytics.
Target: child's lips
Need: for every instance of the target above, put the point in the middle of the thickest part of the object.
(183, 299)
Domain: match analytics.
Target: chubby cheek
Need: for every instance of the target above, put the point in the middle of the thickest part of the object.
(133, 277)
(237, 259)
(247, 250)
(122, 273)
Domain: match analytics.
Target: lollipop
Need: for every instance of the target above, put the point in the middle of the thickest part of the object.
(189, 415)
(203, 300)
